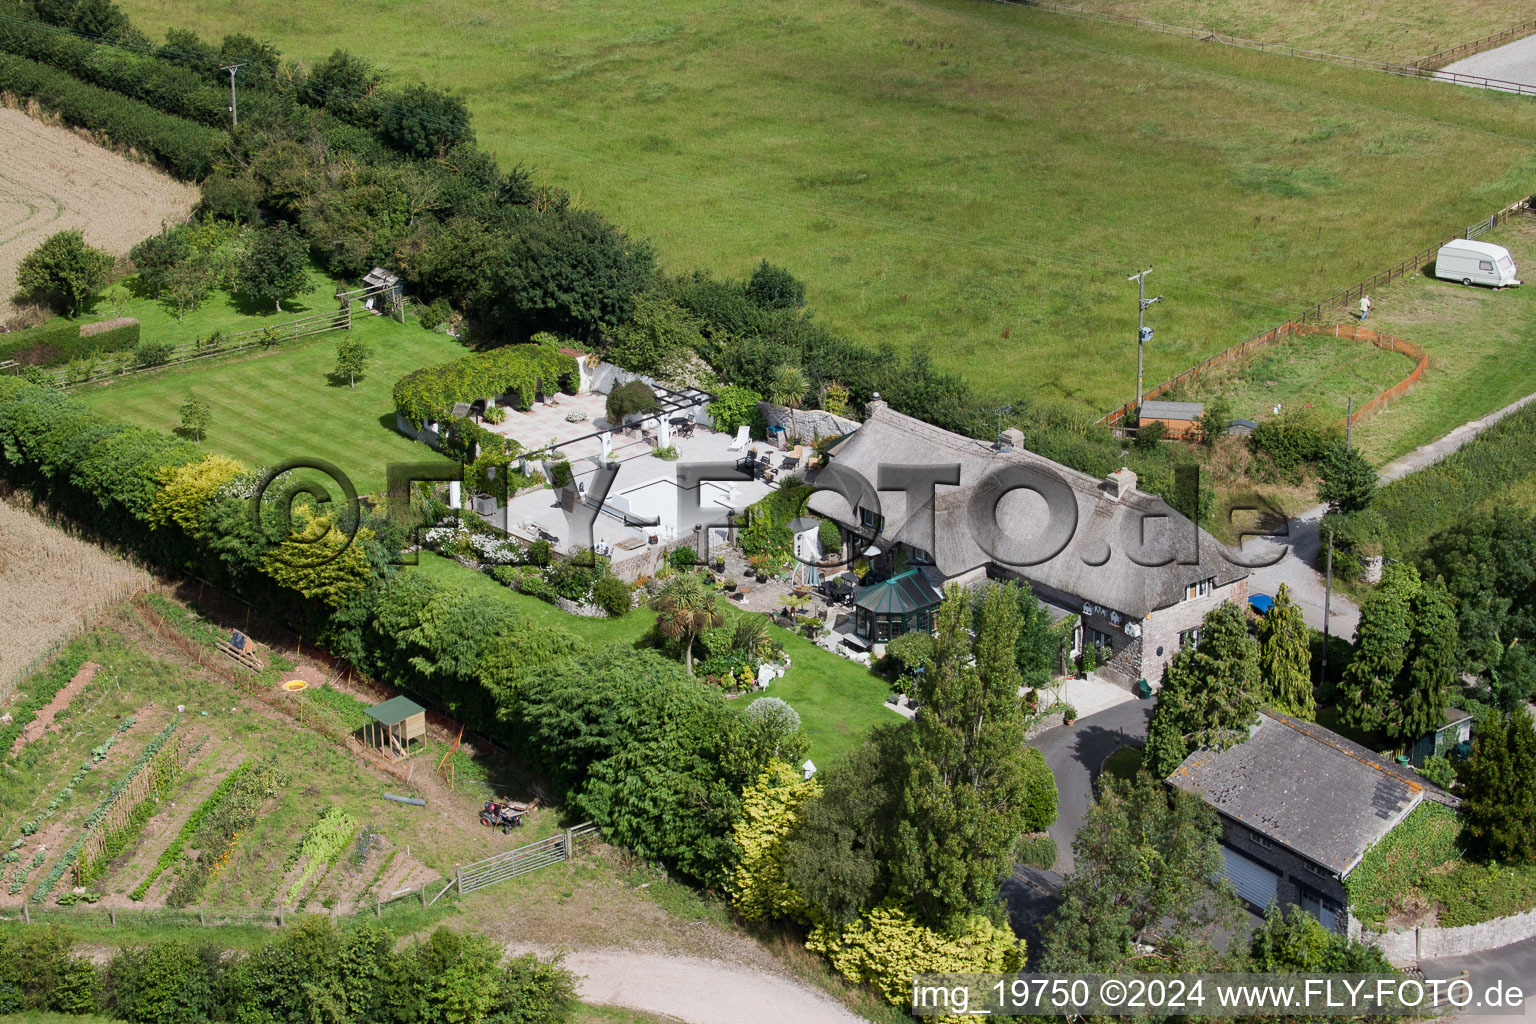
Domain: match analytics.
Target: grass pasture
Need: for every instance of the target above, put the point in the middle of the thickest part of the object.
(1398, 31)
(969, 179)
(270, 406)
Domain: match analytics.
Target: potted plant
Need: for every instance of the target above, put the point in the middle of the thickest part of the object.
(1068, 714)
(730, 583)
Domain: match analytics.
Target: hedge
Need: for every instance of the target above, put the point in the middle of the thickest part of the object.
(183, 148)
(166, 87)
(431, 392)
(60, 341)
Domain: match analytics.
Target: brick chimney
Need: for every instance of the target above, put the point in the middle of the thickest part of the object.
(874, 405)
(1013, 437)
(1120, 483)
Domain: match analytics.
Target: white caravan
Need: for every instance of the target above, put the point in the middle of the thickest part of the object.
(1472, 262)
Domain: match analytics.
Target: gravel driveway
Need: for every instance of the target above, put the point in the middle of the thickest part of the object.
(1512, 62)
(695, 990)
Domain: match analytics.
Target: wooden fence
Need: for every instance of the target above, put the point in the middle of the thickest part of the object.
(1389, 342)
(1440, 58)
(520, 861)
(1412, 70)
(1315, 314)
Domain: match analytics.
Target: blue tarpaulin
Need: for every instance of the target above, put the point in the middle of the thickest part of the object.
(1260, 603)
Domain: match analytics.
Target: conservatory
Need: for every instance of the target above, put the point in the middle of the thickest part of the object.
(901, 604)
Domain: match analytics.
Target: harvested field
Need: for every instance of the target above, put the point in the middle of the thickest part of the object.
(54, 180)
(50, 585)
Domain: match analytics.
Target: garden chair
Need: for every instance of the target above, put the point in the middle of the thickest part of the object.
(741, 439)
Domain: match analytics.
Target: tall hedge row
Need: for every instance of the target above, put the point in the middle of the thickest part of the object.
(53, 344)
(185, 149)
(431, 392)
(166, 87)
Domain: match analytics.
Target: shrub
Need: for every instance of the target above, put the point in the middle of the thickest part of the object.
(1295, 439)
(1149, 435)
(524, 371)
(151, 353)
(560, 474)
(887, 947)
(666, 453)
(683, 558)
(735, 406)
(770, 807)
(630, 399)
(1040, 797)
(612, 595)
(436, 315)
(1037, 852)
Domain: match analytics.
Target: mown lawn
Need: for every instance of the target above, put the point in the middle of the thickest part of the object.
(272, 406)
(839, 700)
(970, 180)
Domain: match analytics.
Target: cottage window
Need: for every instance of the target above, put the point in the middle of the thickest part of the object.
(1093, 636)
(917, 556)
(1200, 589)
(1316, 869)
(871, 520)
(1260, 841)
(1189, 638)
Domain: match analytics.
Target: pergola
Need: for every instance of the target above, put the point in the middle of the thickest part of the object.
(901, 604)
(394, 725)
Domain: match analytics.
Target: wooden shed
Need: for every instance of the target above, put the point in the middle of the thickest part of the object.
(394, 726)
(1177, 417)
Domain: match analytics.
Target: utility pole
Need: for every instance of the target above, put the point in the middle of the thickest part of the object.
(1349, 425)
(234, 115)
(1143, 332)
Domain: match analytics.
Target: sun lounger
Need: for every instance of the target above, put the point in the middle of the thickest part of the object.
(741, 439)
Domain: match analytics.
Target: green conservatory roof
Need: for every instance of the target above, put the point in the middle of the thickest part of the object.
(899, 595)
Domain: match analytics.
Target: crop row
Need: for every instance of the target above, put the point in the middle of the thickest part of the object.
(322, 844)
(189, 829)
(94, 818)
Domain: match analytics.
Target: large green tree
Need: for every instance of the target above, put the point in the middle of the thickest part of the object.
(1488, 563)
(1499, 786)
(274, 268)
(1039, 648)
(1405, 665)
(63, 272)
(968, 785)
(1148, 874)
(1348, 482)
(423, 122)
(1210, 693)
(1285, 657)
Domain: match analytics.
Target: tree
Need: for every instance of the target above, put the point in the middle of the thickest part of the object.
(423, 122)
(195, 416)
(344, 85)
(275, 266)
(967, 784)
(63, 272)
(352, 355)
(1382, 638)
(1213, 420)
(769, 809)
(789, 388)
(1401, 677)
(1039, 648)
(774, 288)
(1285, 656)
(1348, 482)
(684, 610)
(655, 338)
(1210, 692)
(1488, 564)
(1149, 872)
(1292, 941)
(1499, 786)
(1040, 803)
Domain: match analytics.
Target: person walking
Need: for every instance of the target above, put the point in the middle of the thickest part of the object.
(1365, 307)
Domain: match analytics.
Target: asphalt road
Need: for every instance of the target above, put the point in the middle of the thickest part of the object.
(1515, 963)
(1075, 754)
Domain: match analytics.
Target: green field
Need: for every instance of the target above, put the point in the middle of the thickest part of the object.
(839, 700)
(970, 179)
(1397, 31)
(277, 405)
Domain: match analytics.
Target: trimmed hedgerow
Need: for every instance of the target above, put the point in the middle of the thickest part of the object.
(431, 392)
(53, 344)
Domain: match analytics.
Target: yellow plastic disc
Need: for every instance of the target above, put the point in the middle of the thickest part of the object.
(294, 685)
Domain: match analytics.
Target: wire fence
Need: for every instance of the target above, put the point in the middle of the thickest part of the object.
(1316, 314)
(1440, 58)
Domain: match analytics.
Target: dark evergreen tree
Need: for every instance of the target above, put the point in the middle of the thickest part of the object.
(1210, 692)
(1499, 787)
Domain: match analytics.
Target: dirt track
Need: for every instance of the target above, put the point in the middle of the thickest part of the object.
(53, 180)
(694, 990)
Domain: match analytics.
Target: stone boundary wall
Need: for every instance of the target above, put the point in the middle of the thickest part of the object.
(812, 423)
(1407, 946)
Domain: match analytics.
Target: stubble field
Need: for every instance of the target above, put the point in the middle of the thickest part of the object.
(53, 180)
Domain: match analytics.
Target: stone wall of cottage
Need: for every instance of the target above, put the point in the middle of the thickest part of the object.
(1161, 629)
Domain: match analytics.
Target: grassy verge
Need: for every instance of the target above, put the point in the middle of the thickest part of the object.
(972, 179)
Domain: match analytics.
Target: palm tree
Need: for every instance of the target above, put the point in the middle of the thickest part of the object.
(789, 388)
(684, 610)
